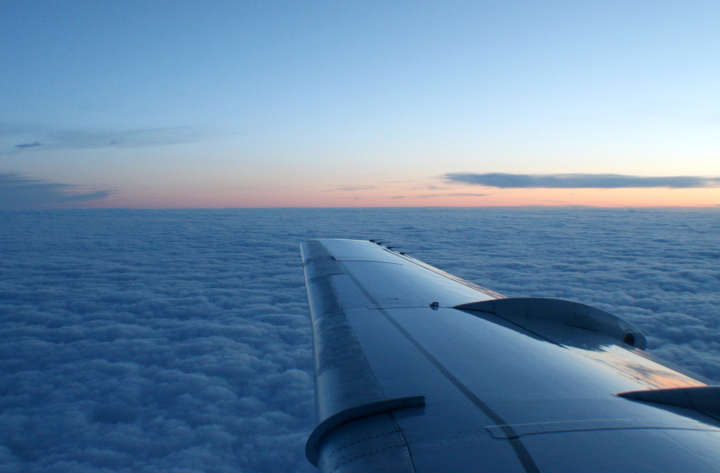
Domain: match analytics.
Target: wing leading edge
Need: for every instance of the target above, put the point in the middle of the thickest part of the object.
(417, 370)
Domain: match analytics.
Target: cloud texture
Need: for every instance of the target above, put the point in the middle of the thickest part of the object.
(176, 341)
(579, 181)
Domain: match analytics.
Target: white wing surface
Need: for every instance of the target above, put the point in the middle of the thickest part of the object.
(419, 371)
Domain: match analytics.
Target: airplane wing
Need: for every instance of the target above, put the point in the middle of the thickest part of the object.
(417, 370)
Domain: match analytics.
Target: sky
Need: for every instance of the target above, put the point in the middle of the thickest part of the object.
(176, 104)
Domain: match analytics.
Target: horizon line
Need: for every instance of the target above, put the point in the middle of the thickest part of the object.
(598, 207)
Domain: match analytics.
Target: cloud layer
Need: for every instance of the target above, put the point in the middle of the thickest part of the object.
(579, 181)
(145, 341)
(20, 192)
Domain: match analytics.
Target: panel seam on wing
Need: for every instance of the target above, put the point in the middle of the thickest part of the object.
(521, 451)
(371, 437)
(371, 453)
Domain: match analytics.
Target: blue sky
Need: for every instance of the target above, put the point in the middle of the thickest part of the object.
(193, 104)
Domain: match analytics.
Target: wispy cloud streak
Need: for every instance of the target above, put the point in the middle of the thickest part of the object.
(88, 139)
(580, 181)
(34, 144)
(20, 192)
(350, 188)
(438, 195)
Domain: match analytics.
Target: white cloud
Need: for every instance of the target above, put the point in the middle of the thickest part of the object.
(180, 340)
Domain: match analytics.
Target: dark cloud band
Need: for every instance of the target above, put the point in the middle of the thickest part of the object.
(580, 181)
(20, 192)
(34, 144)
(90, 139)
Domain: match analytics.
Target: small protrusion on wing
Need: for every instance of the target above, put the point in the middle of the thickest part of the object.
(312, 447)
(524, 311)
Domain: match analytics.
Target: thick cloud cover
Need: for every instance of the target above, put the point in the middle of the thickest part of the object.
(579, 181)
(180, 340)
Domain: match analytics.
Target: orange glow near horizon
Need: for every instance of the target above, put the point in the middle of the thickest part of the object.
(407, 195)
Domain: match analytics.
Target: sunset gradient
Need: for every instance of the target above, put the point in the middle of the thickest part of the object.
(179, 104)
